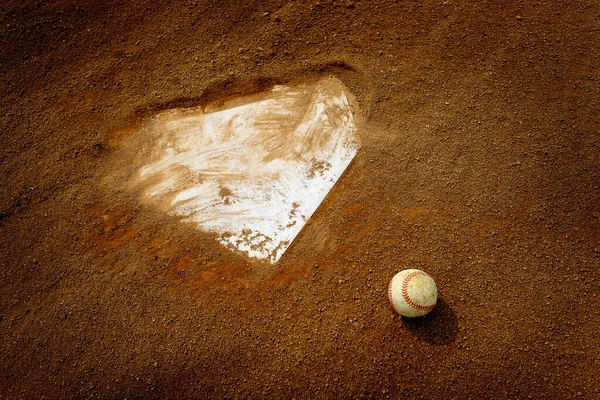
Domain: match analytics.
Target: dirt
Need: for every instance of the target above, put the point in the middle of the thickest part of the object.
(480, 132)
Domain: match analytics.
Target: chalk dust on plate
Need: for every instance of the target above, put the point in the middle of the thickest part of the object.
(254, 169)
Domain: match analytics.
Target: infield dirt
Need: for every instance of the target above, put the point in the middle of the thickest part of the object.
(480, 131)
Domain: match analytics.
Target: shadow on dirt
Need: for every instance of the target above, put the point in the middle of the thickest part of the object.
(221, 90)
(439, 327)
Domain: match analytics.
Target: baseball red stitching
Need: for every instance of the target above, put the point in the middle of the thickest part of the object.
(407, 298)
(390, 294)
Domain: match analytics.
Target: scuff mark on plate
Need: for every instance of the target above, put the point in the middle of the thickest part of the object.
(253, 170)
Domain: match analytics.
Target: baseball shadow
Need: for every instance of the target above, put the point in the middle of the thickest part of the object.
(439, 327)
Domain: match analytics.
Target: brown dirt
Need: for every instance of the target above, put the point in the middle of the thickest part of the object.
(480, 164)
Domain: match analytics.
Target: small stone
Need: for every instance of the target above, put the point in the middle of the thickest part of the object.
(519, 18)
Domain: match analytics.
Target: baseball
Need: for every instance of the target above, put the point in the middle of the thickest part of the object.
(413, 293)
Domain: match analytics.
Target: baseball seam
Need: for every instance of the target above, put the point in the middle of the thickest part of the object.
(390, 294)
(407, 298)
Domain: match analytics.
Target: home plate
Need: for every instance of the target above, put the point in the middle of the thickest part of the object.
(252, 170)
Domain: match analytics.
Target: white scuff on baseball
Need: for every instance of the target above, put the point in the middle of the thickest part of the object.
(412, 293)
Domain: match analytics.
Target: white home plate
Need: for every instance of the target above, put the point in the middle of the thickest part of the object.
(252, 170)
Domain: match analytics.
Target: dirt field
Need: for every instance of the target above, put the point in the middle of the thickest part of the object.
(480, 130)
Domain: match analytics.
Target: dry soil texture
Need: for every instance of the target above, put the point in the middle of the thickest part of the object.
(479, 164)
